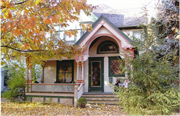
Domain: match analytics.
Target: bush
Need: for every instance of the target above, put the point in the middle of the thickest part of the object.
(82, 101)
(16, 82)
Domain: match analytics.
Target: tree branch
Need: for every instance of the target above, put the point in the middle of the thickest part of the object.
(22, 50)
(15, 4)
(3, 35)
(21, 2)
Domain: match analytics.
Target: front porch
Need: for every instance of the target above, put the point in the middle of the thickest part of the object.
(61, 93)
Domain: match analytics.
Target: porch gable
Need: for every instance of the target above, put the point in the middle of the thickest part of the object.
(126, 42)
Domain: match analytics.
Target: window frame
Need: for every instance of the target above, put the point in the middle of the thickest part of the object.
(57, 70)
(109, 61)
(107, 52)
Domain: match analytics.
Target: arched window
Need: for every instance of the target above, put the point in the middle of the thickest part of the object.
(107, 47)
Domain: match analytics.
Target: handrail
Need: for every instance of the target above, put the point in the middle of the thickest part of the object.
(80, 86)
(53, 83)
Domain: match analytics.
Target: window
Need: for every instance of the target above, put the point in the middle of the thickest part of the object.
(65, 72)
(138, 35)
(114, 67)
(107, 47)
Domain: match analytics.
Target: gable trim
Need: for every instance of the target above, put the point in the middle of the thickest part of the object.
(108, 25)
(104, 34)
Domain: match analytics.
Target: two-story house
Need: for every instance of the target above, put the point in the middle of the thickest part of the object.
(95, 68)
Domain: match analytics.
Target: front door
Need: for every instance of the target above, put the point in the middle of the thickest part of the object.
(96, 74)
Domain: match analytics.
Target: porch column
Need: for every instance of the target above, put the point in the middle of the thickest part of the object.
(130, 53)
(30, 77)
(132, 56)
(75, 95)
(28, 74)
(126, 63)
(82, 67)
(42, 77)
(27, 78)
(83, 76)
(83, 71)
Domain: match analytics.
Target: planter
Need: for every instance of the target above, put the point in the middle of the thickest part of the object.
(82, 105)
(82, 102)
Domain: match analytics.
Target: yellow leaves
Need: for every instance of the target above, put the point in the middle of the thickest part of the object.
(6, 14)
(31, 21)
(37, 108)
(37, 2)
(16, 32)
(68, 33)
(47, 21)
(5, 3)
(21, 20)
(85, 27)
(34, 40)
(25, 46)
(3, 10)
(9, 14)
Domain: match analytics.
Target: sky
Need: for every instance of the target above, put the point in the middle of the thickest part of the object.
(124, 4)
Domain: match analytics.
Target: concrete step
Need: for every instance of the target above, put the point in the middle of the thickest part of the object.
(105, 99)
(102, 98)
(103, 102)
(99, 95)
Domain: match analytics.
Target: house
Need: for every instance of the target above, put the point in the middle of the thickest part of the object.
(95, 68)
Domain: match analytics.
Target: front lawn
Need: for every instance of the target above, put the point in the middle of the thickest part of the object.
(52, 109)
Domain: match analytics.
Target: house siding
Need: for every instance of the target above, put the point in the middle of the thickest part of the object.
(102, 30)
(50, 72)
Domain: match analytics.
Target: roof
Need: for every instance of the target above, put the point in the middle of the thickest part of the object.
(119, 20)
(111, 24)
(120, 17)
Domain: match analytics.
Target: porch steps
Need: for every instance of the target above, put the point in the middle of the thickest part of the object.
(104, 99)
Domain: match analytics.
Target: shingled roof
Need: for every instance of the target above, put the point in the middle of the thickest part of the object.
(120, 17)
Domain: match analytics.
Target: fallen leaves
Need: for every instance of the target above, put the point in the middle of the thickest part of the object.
(53, 109)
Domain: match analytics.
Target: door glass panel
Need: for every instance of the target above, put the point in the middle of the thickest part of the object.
(96, 74)
(65, 72)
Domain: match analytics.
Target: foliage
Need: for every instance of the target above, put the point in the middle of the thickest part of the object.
(26, 26)
(167, 19)
(36, 72)
(38, 109)
(152, 90)
(81, 101)
(16, 82)
(166, 28)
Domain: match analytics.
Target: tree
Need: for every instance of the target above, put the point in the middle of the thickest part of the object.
(16, 81)
(167, 28)
(151, 91)
(26, 24)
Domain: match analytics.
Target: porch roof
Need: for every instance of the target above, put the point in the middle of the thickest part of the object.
(112, 25)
